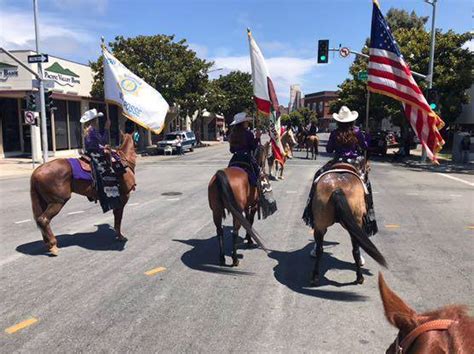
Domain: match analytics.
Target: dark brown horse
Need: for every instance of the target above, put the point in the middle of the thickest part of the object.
(311, 143)
(229, 189)
(340, 197)
(447, 330)
(52, 183)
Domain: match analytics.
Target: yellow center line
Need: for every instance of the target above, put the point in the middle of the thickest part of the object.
(21, 325)
(470, 227)
(392, 226)
(155, 271)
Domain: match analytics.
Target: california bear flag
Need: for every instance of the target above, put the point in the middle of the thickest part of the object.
(265, 97)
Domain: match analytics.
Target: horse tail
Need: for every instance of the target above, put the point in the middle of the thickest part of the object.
(37, 202)
(344, 214)
(228, 200)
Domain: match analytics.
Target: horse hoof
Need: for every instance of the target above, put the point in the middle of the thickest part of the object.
(360, 280)
(235, 263)
(249, 241)
(122, 238)
(54, 251)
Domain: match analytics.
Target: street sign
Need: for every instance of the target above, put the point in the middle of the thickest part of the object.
(344, 52)
(47, 84)
(363, 75)
(38, 58)
(30, 117)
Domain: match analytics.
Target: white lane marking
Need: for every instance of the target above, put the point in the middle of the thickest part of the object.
(75, 212)
(172, 199)
(375, 192)
(455, 195)
(22, 221)
(291, 192)
(133, 204)
(456, 179)
(413, 193)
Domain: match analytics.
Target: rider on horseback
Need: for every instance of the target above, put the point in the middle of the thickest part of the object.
(95, 143)
(243, 145)
(349, 145)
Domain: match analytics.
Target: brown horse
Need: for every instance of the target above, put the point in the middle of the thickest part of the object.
(52, 183)
(340, 197)
(312, 144)
(230, 189)
(447, 330)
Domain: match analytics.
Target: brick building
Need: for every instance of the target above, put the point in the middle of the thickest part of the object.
(320, 102)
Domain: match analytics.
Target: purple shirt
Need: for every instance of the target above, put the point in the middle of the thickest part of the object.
(94, 139)
(347, 151)
(246, 145)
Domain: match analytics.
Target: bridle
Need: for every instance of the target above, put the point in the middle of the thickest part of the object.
(435, 325)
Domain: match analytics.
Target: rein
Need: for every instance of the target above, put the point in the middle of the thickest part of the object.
(435, 325)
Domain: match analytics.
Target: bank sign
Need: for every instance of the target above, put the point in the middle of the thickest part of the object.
(61, 76)
(7, 71)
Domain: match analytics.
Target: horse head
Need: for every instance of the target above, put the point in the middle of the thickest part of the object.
(446, 330)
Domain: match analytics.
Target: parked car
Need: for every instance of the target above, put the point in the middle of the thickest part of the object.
(170, 140)
(380, 141)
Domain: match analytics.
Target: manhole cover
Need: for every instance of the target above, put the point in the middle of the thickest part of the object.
(171, 193)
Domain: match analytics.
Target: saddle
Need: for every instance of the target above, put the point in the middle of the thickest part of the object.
(343, 167)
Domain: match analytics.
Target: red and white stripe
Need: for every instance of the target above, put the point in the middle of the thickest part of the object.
(390, 75)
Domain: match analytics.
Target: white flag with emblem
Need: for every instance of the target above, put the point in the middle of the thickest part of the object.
(140, 102)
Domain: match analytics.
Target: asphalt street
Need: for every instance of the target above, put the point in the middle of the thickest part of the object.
(163, 291)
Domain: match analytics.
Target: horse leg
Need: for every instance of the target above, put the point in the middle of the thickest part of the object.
(356, 254)
(235, 237)
(220, 236)
(44, 221)
(118, 213)
(250, 215)
(318, 239)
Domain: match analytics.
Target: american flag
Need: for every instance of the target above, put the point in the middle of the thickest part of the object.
(389, 75)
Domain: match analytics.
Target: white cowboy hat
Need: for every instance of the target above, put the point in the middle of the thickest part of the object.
(240, 118)
(90, 114)
(345, 115)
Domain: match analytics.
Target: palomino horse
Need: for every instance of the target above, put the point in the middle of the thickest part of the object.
(289, 142)
(312, 144)
(273, 163)
(52, 183)
(340, 197)
(230, 189)
(447, 330)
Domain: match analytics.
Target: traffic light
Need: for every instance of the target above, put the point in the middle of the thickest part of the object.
(48, 101)
(433, 98)
(31, 102)
(323, 51)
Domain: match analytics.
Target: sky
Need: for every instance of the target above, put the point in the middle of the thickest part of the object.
(286, 31)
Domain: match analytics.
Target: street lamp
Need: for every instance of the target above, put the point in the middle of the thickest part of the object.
(431, 65)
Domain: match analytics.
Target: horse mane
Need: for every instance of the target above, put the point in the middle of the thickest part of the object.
(452, 312)
(127, 148)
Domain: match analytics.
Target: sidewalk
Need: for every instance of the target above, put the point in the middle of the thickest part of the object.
(414, 161)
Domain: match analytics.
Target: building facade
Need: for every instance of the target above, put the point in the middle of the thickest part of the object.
(70, 83)
(320, 103)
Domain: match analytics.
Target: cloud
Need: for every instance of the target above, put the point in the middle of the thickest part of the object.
(285, 71)
(58, 36)
(201, 50)
(469, 45)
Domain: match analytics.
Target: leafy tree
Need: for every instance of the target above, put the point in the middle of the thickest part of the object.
(452, 70)
(232, 93)
(285, 119)
(168, 65)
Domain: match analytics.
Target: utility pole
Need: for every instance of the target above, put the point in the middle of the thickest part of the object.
(431, 65)
(44, 128)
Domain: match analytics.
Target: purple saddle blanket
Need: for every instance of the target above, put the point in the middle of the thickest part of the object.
(77, 171)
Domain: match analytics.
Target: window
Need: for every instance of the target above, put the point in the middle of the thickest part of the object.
(321, 106)
(60, 124)
(75, 129)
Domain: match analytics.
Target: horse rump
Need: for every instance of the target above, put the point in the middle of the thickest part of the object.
(229, 202)
(345, 216)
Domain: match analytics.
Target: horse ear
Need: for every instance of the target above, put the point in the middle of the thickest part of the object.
(397, 312)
